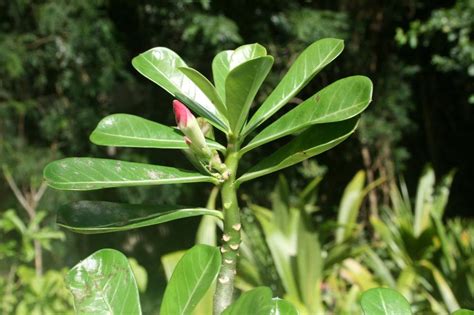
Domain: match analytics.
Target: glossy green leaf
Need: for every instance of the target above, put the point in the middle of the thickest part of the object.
(282, 307)
(191, 278)
(220, 69)
(160, 65)
(313, 141)
(103, 283)
(256, 301)
(246, 53)
(89, 217)
(123, 130)
(339, 101)
(241, 86)
(309, 63)
(383, 301)
(205, 86)
(169, 262)
(92, 173)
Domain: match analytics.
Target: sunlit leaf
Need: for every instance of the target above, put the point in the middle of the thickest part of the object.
(206, 87)
(259, 301)
(256, 301)
(191, 278)
(383, 301)
(103, 283)
(351, 202)
(339, 101)
(123, 130)
(220, 69)
(89, 217)
(92, 173)
(310, 62)
(313, 141)
(241, 86)
(160, 65)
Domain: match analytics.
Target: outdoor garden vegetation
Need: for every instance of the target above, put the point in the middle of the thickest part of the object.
(248, 174)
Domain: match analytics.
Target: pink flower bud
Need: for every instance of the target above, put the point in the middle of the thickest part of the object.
(182, 114)
(189, 126)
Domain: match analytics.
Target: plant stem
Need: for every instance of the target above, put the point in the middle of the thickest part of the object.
(231, 238)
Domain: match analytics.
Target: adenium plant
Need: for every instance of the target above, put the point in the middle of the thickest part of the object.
(319, 123)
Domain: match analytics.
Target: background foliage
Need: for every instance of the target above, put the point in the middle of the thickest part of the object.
(65, 64)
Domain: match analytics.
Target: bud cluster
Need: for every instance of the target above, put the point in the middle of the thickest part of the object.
(196, 141)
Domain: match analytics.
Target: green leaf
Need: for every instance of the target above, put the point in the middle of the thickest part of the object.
(313, 141)
(160, 65)
(90, 217)
(227, 60)
(463, 311)
(246, 53)
(383, 301)
(309, 63)
(351, 202)
(92, 173)
(103, 283)
(206, 87)
(123, 130)
(257, 301)
(140, 274)
(191, 279)
(446, 293)
(282, 307)
(424, 201)
(220, 69)
(241, 86)
(339, 101)
(309, 261)
(169, 262)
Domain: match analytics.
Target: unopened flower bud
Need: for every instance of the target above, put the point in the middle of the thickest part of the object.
(189, 126)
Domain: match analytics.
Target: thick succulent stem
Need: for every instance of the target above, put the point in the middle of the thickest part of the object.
(231, 237)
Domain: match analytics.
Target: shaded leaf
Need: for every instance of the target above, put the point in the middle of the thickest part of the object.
(339, 101)
(191, 278)
(90, 217)
(92, 173)
(123, 130)
(383, 301)
(103, 283)
(241, 86)
(160, 65)
(313, 141)
(312, 60)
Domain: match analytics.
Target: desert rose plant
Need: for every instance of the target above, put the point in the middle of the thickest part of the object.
(319, 123)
